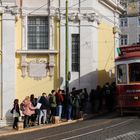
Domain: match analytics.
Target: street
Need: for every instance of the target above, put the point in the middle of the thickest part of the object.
(107, 127)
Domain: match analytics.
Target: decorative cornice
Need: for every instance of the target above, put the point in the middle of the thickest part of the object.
(36, 51)
(113, 4)
(13, 10)
(90, 17)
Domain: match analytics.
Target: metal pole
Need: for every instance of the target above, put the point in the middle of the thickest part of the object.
(1, 96)
(67, 53)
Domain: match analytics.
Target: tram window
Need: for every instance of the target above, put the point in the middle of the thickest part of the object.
(134, 72)
(121, 74)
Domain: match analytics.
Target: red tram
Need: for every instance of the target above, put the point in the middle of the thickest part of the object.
(128, 78)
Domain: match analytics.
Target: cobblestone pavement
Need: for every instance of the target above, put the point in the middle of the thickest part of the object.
(128, 136)
(8, 130)
(105, 127)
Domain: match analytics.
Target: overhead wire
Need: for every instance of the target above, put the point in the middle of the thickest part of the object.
(106, 17)
(71, 7)
(40, 7)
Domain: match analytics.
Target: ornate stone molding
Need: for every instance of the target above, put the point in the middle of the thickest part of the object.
(51, 65)
(24, 65)
(29, 67)
(75, 17)
(37, 69)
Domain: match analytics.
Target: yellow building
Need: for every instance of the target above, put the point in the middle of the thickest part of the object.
(30, 51)
(108, 41)
(33, 46)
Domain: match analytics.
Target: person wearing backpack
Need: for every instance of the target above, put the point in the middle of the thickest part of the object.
(52, 100)
(76, 107)
(108, 96)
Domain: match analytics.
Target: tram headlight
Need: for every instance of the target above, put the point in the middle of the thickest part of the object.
(136, 97)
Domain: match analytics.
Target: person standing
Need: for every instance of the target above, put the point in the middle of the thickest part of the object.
(69, 106)
(64, 104)
(59, 102)
(108, 96)
(76, 107)
(52, 101)
(34, 103)
(43, 109)
(16, 113)
(29, 109)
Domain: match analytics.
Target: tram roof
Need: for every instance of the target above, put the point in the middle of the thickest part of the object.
(127, 56)
(129, 52)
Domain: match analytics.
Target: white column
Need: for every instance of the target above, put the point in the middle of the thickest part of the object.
(8, 61)
(24, 35)
(51, 45)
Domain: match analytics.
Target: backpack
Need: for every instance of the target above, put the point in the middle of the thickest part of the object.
(76, 102)
(51, 99)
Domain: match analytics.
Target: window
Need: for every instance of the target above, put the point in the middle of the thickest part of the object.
(121, 74)
(123, 22)
(75, 52)
(134, 72)
(139, 7)
(38, 32)
(124, 40)
(138, 21)
(139, 38)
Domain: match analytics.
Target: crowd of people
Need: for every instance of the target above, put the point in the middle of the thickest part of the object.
(103, 98)
(43, 109)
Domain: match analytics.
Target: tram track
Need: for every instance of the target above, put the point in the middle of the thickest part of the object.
(105, 127)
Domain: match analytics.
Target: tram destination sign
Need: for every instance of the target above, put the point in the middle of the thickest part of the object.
(133, 91)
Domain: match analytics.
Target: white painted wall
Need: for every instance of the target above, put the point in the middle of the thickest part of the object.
(88, 75)
(89, 55)
(88, 50)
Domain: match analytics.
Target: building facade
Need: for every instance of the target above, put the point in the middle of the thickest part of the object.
(130, 23)
(93, 37)
(29, 51)
(33, 46)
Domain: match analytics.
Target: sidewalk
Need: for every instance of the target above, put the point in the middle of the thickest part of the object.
(8, 130)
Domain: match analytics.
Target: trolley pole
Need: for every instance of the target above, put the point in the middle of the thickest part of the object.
(67, 53)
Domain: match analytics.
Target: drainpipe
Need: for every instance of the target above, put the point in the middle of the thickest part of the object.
(80, 44)
(1, 76)
(67, 53)
(1, 105)
(21, 3)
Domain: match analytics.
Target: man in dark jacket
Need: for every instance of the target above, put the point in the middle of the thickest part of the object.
(43, 109)
(68, 106)
(59, 102)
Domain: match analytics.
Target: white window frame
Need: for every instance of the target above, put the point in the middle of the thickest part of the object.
(138, 38)
(25, 34)
(123, 40)
(124, 22)
(138, 20)
(38, 48)
(139, 7)
(78, 53)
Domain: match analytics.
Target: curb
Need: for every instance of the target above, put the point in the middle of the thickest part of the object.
(35, 128)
